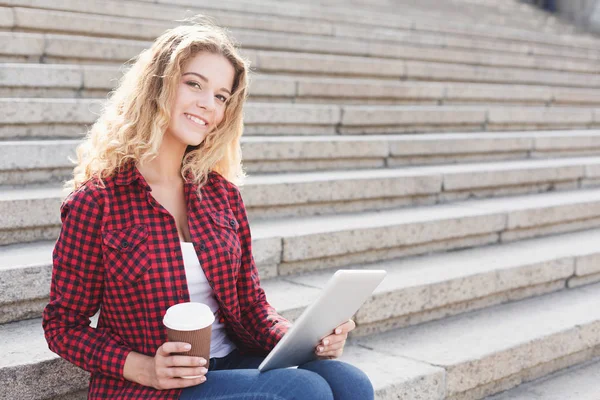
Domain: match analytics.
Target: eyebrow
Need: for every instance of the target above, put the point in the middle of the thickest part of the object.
(205, 80)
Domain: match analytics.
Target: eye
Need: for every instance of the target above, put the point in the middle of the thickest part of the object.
(194, 84)
(222, 98)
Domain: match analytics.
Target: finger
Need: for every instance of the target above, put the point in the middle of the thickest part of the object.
(331, 354)
(345, 327)
(334, 339)
(328, 339)
(330, 336)
(173, 347)
(334, 346)
(351, 325)
(191, 381)
(185, 361)
(178, 383)
(178, 372)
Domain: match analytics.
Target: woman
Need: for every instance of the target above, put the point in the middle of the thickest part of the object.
(154, 218)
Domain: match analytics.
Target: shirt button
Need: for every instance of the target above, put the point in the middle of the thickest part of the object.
(124, 244)
(232, 222)
(202, 246)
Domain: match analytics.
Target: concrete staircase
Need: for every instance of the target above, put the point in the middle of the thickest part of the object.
(454, 143)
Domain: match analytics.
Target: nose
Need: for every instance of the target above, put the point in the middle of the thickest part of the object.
(206, 100)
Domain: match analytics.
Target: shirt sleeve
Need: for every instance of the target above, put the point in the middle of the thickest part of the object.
(258, 316)
(76, 291)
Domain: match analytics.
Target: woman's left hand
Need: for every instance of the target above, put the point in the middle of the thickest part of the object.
(332, 346)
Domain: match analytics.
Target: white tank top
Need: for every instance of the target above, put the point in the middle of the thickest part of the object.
(201, 292)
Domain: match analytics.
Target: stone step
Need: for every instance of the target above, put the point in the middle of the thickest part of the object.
(68, 118)
(325, 20)
(56, 80)
(285, 247)
(575, 383)
(289, 246)
(46, 161)
(392, 20)
(416, 290)
(133, 28)
(432, 287)
(533, 20)
(323, 193)
(526, 22)
(499, 9)
(319, 193)
(54, 48)
(491, 350)
(26, 354)
(25, 276)
(233, 19)
(326, 193)
(522, 16)
(467, 356)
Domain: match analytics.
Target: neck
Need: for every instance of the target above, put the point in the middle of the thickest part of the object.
(165, 168)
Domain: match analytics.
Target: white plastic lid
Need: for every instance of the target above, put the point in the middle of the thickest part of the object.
(188, 316)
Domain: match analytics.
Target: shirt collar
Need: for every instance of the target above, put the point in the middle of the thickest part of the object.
(128, 173)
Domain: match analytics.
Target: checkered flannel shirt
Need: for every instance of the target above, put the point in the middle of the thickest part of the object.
(119, 249)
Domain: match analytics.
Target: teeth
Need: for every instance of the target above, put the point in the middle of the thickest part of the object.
(196, 120)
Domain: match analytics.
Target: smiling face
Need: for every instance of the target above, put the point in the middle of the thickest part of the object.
(199, 106)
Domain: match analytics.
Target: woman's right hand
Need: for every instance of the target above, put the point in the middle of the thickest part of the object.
(166, 369)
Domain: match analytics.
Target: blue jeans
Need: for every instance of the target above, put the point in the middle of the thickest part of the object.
(236, 377)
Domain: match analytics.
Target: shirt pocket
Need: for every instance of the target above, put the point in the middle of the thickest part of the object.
(126, 253)
(227, 230)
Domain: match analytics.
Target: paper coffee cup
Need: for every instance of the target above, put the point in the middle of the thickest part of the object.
(190, 323)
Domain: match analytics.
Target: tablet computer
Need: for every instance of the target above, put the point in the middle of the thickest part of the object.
(343, 295)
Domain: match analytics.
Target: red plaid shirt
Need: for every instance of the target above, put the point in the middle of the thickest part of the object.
(119, 249)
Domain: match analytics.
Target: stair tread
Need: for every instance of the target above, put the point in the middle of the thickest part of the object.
(576, 383)
(501, 340)
(294, 292)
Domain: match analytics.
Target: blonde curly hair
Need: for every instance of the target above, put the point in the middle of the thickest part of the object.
(137, 113)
